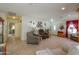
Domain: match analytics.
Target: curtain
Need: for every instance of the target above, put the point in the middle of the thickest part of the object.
(75, 23)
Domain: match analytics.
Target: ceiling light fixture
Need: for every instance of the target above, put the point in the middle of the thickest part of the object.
(13, 17)
(63, 8)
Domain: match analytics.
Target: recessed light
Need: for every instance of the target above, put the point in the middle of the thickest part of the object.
(63, 8)
(51, 20)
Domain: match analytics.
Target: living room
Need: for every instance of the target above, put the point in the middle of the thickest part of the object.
(42, 28)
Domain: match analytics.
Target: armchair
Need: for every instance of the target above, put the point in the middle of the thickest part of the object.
(33, 38)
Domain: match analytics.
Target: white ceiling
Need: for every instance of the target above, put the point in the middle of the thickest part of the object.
(40, 10)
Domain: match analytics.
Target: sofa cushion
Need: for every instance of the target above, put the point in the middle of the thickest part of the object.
(47, 51)
(58, 51)
(44, 52)
(74, 50)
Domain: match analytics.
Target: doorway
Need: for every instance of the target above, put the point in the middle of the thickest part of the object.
(14, 27)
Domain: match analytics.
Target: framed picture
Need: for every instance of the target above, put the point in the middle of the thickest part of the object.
(39, 24)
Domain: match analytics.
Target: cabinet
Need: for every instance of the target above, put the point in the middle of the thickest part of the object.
(1, 30)
(1, 37)
(61, 34)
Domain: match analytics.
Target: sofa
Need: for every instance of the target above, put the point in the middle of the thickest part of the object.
(58, 46)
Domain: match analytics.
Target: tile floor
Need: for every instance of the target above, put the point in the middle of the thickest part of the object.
(19, 47)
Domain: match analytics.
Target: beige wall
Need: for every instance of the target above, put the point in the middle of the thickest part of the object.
(18, 29)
